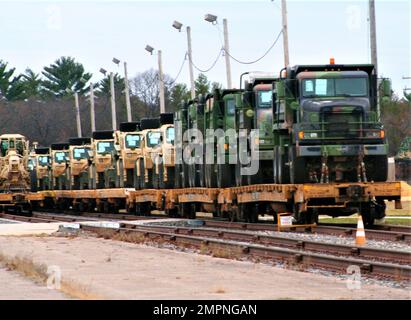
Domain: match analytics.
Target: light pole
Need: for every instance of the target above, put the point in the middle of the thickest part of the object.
(126, 88)
(113, 99)
(285, 32)
(78, 120)
(177, 25)
(373, 36)
(213, 19)
(77, 110)
(92, 113)
(160, 77)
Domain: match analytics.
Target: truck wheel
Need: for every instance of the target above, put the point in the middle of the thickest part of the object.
(177, 176)
(224, 176)
(100, 183)
(376, 168)
(170, 178)
(297, 167)
(161, 182)
(283, 169)
(33, 181)
(76, 182)
(240, 180)
(210, 176)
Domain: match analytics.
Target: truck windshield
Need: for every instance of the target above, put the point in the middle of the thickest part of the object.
(80, 153)
(105, 146)
(43, 160)
(60, 157)
(133, 141)
(153, 138)
(264, 98)
(170, 135)
(335, 87)
(230, 107)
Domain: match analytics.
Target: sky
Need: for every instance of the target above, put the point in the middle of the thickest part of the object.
(36, 33)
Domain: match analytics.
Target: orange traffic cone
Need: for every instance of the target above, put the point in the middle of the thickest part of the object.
(360, 234)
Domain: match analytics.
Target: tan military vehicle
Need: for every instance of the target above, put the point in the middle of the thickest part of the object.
(14, 154)
(59, 154)
(104, 165)
(40, 174)
(164, 154)
(150, 134)
(80, 159)
(128, 139)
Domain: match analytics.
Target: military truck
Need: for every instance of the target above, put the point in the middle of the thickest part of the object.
(40, 175)
(180, 126)
(164, 154)
(150, 134)
(14, 154)
(326, 125)
(220, 114)
(79, 169)
(59, 153)
(105, 169)
(128, 138)
(194, 169)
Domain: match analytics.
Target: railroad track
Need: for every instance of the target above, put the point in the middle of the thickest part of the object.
(383, 255)
(394, 233)
(223, 245)
(320, 229)
(236, 241)
(384, 227)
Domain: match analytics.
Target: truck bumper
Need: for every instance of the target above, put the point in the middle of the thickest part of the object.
(342, 150)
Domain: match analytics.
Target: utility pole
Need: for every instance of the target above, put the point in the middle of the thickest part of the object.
(285, 32)
(373, 36)
(190, 63)
(92, 114)
(126, 84)
(227, 56)
(113, 102)
(77, 114)
(161, 83)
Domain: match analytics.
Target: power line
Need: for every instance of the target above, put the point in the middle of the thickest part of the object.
(212, 66)
(254, 61)
(179, 71)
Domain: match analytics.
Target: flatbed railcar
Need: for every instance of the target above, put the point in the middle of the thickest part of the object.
(243, 203)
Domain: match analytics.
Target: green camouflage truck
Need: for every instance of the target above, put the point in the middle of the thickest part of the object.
(326, 125)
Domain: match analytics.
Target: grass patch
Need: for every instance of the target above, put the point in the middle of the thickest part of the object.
(38, 273)
(388, 220)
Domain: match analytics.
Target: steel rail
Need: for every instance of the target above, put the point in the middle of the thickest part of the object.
(289, 256)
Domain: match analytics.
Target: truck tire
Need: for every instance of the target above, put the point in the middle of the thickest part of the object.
(224, 176)
(376, 168)
(297, 167)
(33, 181)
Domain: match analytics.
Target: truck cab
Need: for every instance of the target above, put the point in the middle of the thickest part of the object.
(103, 168)
(14, 155)
(81, 157)
(128, 138)
(164, 153)
(59, 154)
(42, 168)
(150, 139)
(326, 122)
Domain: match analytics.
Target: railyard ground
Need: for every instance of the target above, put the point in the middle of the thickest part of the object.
(95, 268)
